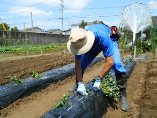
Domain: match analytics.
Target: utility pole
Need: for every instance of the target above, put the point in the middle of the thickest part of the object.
(62, 8)
(1, 20)
(32, 21)
(24, 26)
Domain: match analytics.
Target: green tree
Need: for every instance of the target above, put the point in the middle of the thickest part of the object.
(83, 24)
(153, 40)
(98, 22)
(4, 27)
(14, 29)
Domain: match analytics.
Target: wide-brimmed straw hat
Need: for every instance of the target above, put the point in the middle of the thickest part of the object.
(80, 41)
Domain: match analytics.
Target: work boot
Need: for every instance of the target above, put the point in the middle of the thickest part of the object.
(123, 100)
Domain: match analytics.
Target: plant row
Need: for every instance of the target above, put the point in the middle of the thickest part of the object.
(27, 49)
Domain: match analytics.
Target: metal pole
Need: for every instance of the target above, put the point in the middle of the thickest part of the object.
(1, 20)
(62, 17)
(32, 21)
(24, 26)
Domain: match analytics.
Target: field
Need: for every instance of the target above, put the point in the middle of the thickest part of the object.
(141, 89)
(21, 61)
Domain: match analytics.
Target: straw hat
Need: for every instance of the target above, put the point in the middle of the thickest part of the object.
(80, 41)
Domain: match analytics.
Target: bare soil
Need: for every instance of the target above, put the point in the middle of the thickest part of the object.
(141, 92)
(135, 90)
(23, 66)
(148, 106)
(36, 104)
(141, 89)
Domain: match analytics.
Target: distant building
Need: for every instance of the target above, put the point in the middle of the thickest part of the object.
(34, 29)
(154, 20)
(55, 31)
(67, 32)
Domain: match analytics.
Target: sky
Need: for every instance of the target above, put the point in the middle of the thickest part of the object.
(46, 14)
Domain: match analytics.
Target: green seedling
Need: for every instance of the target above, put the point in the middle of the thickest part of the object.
(35, 74)
(15, 79)
(110, 88)
(62, 101)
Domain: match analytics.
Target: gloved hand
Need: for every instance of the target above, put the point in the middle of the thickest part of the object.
(81, 88)
(97, 83)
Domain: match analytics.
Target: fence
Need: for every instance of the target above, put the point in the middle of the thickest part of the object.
(17, 38)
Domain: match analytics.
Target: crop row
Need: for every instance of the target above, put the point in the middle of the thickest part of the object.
(26, 49)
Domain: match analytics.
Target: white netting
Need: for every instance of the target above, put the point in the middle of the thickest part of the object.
(136, 17)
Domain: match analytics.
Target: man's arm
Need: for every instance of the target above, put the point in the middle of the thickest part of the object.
(78, 70)
(107, 66)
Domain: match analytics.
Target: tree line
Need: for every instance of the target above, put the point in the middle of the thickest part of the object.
(6, 27)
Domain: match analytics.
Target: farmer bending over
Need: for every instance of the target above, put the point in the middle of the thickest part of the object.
(86, 45)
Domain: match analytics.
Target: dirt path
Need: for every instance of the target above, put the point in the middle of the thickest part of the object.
(35, 105)
(148, 107)
(135, 90)
(142, 93)
(11, 57)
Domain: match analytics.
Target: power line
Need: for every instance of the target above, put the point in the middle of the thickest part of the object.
(66, 9)
(24, 24)
(96, 8)
(62, 8)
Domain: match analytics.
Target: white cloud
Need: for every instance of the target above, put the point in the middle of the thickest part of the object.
(26, 10)
(25, 7)
(76, 4)
(69, 4)
(153, 4)
(34, 2)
